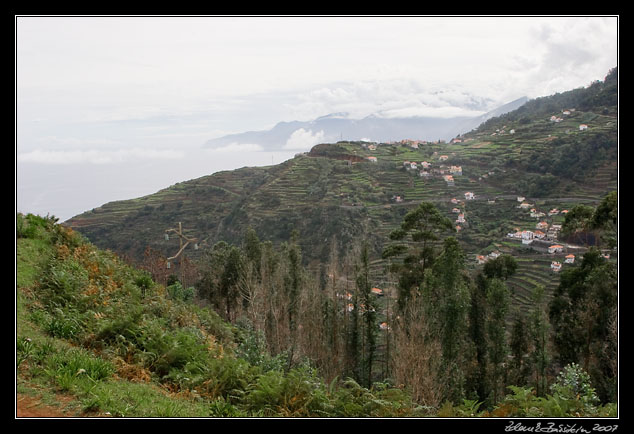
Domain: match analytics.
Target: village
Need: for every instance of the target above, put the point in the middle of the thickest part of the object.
(542, 238)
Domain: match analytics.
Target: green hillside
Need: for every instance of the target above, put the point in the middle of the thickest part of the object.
(96, 337)
(336, 192)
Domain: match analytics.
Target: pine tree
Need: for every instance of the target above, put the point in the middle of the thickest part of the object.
(446, 298)
(425, 226)
(539, 333)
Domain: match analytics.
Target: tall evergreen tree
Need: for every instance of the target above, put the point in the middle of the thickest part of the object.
(478, 312)
(368, 311)
(539, 329)
(424, 226)
(498, 300)
(580, 312)
(446, 297)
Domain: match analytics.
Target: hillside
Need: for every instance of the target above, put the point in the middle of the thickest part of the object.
(98, 338)
(335, 192)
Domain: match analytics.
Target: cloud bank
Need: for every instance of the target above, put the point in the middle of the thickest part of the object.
(303, 140)
(96, 156)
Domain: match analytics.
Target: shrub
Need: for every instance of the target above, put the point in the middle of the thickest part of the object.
(177, 292)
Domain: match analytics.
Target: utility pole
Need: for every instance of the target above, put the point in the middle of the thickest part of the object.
(181, 238)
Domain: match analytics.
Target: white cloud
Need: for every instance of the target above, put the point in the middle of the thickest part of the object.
(96, 156)
(237, 147)
(303, 140)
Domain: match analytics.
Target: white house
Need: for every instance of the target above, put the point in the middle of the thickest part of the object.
(372, 159)
(527, 237)
(583, 127)
(570, 259)
(541, 225)
(520, 198)
(555, 249)
(469, 196)
(555, 266)
(460, 218)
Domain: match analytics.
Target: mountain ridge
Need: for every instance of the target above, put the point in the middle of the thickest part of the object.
(338, 126)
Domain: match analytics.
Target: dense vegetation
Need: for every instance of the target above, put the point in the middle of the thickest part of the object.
(259, 335)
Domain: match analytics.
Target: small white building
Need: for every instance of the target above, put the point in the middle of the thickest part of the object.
(555, 249)
(469, 196)
(541, 225)
(570, 259)
(456, 170)
(555, 266)
(527, 237)
(583, 127)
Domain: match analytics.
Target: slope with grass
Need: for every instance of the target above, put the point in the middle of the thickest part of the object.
(97, 338)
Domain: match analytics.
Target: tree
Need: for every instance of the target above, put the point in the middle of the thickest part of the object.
(221, 274)
(446, 298)
(293, 286)
(368, 311)
(230, 278)
(519, 348)
(477, 333)
(424, 226)
(605, 219)
(577, 224)
(581, 312)
(498, 300)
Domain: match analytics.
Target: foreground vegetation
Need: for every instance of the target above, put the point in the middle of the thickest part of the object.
(119, 343)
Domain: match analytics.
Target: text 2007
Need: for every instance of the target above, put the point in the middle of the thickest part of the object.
(606, 428)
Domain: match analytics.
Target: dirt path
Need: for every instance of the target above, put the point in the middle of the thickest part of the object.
(28, 406)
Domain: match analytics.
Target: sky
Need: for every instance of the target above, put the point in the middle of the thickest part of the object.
(117, 107)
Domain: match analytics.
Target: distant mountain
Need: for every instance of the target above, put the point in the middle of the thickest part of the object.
(302, 135)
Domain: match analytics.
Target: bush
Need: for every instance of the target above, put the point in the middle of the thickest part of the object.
(177, 292)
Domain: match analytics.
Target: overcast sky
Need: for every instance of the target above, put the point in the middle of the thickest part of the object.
(111, 108)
